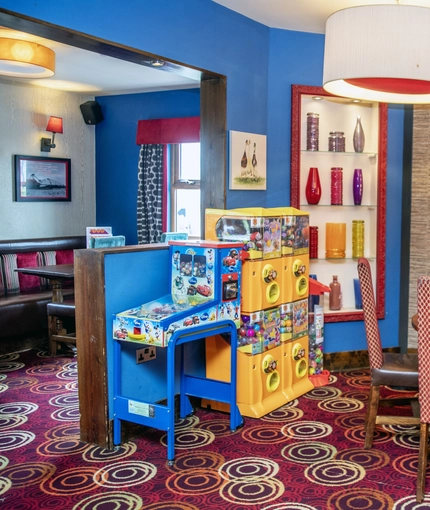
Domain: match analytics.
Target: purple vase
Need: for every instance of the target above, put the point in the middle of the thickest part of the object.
(357, 186)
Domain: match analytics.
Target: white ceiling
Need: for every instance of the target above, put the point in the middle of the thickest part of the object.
(301, 15)
(85, 71)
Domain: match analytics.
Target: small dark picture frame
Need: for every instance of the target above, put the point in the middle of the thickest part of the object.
(39, 179)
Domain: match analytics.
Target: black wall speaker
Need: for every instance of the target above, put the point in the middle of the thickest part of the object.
(91, 112)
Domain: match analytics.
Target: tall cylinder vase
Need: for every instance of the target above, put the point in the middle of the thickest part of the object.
(357, 186)
(313, 187)
(336, 186)
(358, 138)
(335, 240)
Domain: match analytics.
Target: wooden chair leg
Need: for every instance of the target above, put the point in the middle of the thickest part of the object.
(52, 330)
(372, 411)
(422, 461)
(55, 329)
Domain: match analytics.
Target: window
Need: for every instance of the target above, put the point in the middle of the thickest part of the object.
(185, 188)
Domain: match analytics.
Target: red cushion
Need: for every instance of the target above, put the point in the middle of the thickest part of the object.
(27, 282)
(64, 257)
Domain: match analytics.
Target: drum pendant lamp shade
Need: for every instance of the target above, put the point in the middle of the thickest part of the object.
(25, 59)
(379, 53)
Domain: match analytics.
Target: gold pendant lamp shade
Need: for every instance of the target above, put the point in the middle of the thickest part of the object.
(25, 59)
(379, 53)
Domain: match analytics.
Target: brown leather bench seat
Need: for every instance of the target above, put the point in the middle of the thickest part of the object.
(23, 303)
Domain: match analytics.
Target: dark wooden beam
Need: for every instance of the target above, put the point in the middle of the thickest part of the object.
(213, 114)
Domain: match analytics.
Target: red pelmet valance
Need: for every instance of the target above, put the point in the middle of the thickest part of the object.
(180, 130)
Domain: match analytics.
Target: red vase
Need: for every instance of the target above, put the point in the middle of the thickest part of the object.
(313, 187)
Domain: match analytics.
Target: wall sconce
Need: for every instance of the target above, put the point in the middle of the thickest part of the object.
(55, 125)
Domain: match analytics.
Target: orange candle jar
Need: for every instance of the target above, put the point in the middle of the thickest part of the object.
(335, 240)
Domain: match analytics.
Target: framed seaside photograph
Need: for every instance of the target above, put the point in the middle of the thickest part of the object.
(39, 179)
(247, 161)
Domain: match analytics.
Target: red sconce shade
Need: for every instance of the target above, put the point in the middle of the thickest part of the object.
(55, 125)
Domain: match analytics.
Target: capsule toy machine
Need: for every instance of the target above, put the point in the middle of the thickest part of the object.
(295, 252)
(259, 389)
(205, 281)
(294, 309)
(259, 230)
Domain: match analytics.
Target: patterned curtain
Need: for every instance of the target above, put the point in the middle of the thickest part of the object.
(150, 194)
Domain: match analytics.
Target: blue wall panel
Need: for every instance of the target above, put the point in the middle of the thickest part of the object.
(118, 155)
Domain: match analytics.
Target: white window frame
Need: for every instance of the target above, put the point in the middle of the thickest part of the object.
(176, 183)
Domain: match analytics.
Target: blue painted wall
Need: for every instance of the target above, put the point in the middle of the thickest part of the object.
(118, 154)
(260, 65)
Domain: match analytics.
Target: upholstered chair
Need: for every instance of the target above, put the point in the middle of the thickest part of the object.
(386, 369)
(423, 296)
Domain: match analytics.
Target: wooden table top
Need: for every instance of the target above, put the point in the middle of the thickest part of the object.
(57, 271)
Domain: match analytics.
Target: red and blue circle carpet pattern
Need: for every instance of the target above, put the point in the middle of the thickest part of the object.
(307, 455)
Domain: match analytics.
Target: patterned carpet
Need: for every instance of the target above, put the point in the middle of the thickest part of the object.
(305, 456)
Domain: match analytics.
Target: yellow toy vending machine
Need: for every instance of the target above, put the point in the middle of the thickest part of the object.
(294, 307)
(269, 373)
(259, 380)
(295, 252)
(262, 284)
(295, 350)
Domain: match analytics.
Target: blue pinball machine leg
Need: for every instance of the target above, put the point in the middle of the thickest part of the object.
(117, 390)
(189, 385)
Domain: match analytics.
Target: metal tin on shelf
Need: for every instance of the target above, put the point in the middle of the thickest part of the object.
(312, 131)
(336, 141)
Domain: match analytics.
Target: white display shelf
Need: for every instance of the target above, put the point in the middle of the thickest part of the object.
(339, 114)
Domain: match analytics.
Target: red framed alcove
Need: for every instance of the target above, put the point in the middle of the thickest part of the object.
(301, 97)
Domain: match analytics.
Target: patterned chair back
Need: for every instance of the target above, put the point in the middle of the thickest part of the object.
(423, 289)
(373, 337)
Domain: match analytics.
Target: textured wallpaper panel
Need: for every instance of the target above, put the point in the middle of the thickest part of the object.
(25, 110)
(420, 214)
